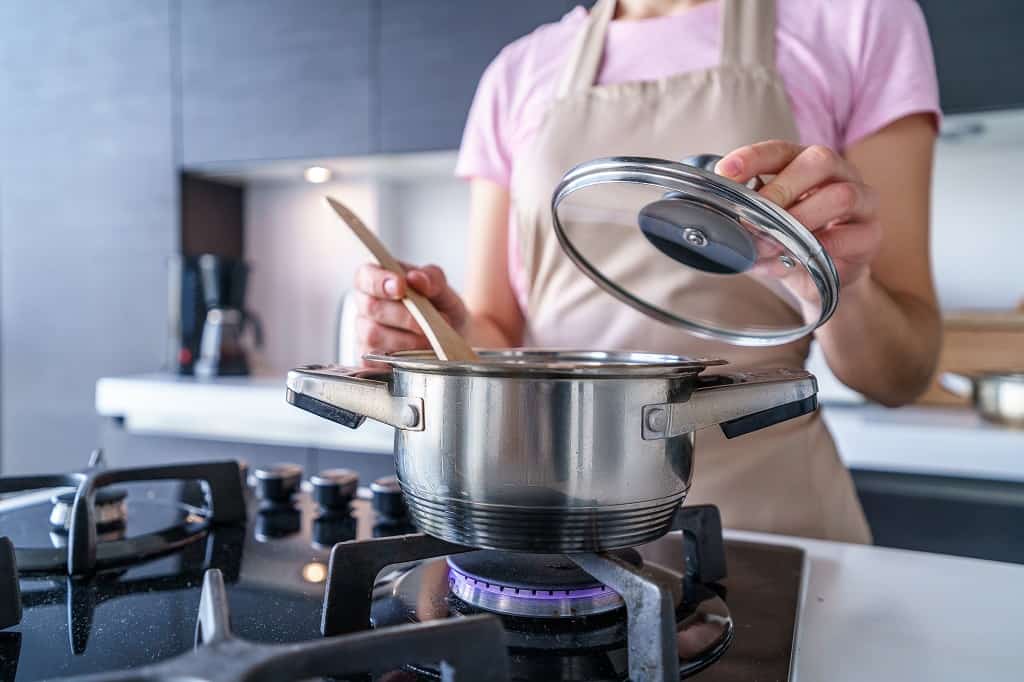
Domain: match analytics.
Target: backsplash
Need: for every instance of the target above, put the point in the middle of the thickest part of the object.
(303, 260)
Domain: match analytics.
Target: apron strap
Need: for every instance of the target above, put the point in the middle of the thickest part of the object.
(748, 32)
(748, 38)
(585, 59)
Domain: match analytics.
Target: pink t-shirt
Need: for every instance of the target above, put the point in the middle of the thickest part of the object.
(850, 68)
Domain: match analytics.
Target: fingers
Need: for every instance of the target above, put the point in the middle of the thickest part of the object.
(429, 280)
(762, 158)
(797, 169)
(386, 312)
(853, 243)
(373, 335)
(374, 280)
(845, 202)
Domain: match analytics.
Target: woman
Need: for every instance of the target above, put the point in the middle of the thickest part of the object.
(837, 100)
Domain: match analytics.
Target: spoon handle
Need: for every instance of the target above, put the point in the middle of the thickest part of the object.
(447, 343)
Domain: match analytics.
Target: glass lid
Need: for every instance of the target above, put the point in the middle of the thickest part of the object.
(695, 250)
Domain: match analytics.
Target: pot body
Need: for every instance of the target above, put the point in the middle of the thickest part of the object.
(541, 464)
(549, 451)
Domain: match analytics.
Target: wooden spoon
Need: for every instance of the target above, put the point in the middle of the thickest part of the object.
(447, 343)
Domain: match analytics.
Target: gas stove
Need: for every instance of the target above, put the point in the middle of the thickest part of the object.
(213, 572)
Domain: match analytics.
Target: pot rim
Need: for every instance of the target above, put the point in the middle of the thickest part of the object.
(548, 362)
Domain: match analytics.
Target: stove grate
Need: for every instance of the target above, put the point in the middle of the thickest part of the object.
(474, 644)
(225, 498)
(650, 605)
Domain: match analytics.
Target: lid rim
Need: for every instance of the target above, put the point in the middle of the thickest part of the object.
(570, 363)
(672, 176)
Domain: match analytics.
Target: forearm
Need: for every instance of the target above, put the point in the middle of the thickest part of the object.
(882, 344)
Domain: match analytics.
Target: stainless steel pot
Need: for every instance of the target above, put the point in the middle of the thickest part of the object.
(552, 451)
(998, 397)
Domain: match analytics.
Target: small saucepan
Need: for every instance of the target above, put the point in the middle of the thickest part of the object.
(997, 396)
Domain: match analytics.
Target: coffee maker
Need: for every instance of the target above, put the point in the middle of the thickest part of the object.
(208, 317)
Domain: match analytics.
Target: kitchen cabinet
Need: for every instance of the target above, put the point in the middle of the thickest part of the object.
(264, 79)
(88, 211)
(949, 515)
(430, 57)
(977, 53)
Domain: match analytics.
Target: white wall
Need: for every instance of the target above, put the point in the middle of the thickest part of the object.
(427, 221)
(978, 223)
(303, 259)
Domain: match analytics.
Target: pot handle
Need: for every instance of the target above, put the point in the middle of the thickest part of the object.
(740, 402)
(957, 384)
(348, 395)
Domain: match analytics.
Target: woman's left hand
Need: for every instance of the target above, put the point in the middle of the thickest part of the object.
(823, 191)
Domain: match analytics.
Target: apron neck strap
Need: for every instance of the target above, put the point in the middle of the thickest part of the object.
(585, 59)
(748, 38)
(748, 32)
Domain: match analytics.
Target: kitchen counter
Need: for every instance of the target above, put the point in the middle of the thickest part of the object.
(942, 441)
(238, 409)
(870, 613)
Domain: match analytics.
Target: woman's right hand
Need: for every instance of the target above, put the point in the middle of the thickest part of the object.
(384, 324)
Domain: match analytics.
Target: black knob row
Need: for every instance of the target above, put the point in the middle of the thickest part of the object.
(332, 489)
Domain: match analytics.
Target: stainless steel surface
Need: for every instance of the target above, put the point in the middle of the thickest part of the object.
(736, 395)
(114, 511)
(650, 598)
(346, 480)
(534, 454)
(998, 397)
(284, 472)
(551, 363)
(353, 390)
(740, 203)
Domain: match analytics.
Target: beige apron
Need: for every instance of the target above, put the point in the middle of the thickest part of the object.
(787, 478)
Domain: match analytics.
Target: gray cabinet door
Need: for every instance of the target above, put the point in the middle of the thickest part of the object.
(266, 79)
(977, 53)
(88, 210)
(430, 57)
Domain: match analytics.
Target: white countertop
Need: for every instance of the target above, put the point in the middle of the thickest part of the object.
(238, 409)
(871, 613)
(253, 409)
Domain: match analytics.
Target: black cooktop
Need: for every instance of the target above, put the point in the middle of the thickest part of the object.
(275, 565)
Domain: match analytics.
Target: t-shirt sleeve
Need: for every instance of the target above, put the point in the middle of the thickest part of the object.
(893, 68)
(484, 149)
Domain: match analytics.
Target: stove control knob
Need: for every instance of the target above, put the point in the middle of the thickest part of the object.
(333, 489)
(277, 482)
(387, 498)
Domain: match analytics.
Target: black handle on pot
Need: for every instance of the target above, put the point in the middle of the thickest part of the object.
(769, 417)
(739, 403)
(10, 594)
(348, 395)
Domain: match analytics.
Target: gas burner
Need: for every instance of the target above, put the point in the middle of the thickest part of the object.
(675, 621)
(532, 585)
(93, 520)
(109, 509)
(574, 647)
